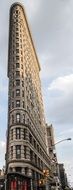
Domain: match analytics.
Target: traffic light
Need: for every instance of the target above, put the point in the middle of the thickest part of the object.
(46, 173)
(41, 182)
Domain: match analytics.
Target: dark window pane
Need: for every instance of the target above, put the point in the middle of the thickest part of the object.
(17, 65)
(12, 119)
(23, 104)
(17, 82)
(22, 93)
(23, 83)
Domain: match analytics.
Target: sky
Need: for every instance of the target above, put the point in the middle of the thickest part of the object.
(51, 26)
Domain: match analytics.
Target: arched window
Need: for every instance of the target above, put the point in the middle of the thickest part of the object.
(18, 117)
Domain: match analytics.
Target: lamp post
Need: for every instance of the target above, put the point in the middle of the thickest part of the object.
(55, 165)
(68, 139)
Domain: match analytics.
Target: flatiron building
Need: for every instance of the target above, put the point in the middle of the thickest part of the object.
(26, 150)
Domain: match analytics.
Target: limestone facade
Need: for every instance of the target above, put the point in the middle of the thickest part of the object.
(26, 150)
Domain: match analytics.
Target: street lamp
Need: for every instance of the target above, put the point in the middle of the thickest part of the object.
(68, 139)
(55, 163)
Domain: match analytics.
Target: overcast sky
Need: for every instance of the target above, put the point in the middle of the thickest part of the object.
(51, 25)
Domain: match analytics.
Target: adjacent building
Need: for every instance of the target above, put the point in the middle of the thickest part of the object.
(2, 178)
(26, 150)
(63, 176)
(55, 184)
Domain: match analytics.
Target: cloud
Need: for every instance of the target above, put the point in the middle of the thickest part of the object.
(59, 102)
(2, 144)
(64, 84)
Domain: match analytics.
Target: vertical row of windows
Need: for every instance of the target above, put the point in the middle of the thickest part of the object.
(35, 144)
(18, 152)
(18, 133)
(18, 118)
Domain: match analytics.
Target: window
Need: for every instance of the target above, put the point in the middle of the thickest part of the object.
(16, 22)
(17, 92)
(23, 118)
(17, 50)
(22, 83)
(18, 169)
(34, 143)
(30, 138)
(17, 82)
(17, 34)
(24, 133)
(16, 29)
(11, 134)
(12, 104)
(17, 58)
(23, 104)
(22, 93)
(18, 133)
(18, 117)
(31, 155)
(17, 73)
(12, 119)
(17, 103)
(35, 158)
(11, 152)
(17, 44)
(24, 151)
(17, 38)
(18, 151)
(16, 11)
(17, 65)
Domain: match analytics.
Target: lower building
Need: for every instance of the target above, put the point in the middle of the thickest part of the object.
(55, 184)
(63, 176)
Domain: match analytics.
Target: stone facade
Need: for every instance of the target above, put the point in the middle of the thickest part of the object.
(26, 150)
